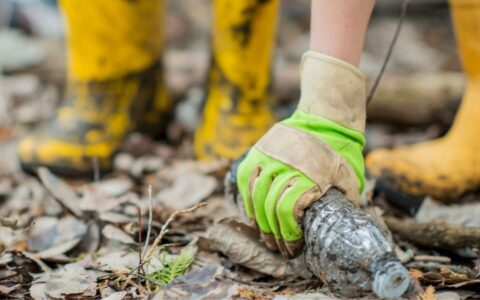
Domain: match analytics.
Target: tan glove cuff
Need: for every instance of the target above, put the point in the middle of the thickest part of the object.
(333, 89)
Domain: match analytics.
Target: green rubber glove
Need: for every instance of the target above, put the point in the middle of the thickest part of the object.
(298, 160)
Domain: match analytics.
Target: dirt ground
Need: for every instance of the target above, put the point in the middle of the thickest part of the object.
(150, 228)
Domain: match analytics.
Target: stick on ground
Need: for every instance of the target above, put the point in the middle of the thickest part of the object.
(434, 235)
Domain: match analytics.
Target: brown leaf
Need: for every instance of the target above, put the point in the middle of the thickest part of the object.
(50, 237)
(416, 273)
(5, 290)
(465, 214)
(428, 294)
(8, 222)
(116, 296)
(61, 191)
(114, 233)
(113, 187)
(69, 280)
(240, 243)
(187, 190)
(452, 277)
(244, 293)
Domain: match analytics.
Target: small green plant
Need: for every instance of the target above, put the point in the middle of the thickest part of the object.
(172, 268)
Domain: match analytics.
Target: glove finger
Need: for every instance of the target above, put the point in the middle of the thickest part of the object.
(261, 186)
(278, 185)
(300, 191)
(247, 168)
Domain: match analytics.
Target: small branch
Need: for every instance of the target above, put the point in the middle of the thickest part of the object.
(127, 280)
(150, 217)
(164, 229)
(139, 216)
(149, 254)
(435, 235)
(432, 258)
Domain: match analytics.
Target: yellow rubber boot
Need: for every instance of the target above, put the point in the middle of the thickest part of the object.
(237, 109)
(447, 167)
(115, 85)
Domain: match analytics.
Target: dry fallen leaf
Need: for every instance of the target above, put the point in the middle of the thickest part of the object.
(115, 218)
(60, 191)
(449, 295)
(452, 277)
(428, 294)
(126, 260)
(187, 190)
(116, 296)
(58, 249)
(465, 214)
(416, 273)
(114, 233)
(51, 236)
(113, 187)
(118, 261)
(68, 280)
(8, 222)
(240, 243)
(5, 290)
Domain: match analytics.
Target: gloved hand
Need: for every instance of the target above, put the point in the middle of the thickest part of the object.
(299, 159)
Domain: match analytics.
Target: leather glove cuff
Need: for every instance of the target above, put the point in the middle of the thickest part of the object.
(333, 89)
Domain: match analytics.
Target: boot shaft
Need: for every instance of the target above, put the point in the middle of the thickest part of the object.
(243, 42)
(108, 39)
(466, 21)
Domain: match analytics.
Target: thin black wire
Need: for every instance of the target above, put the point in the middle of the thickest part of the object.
(390, 50)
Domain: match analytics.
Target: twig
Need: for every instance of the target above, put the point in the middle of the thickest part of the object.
(149, 229)
(164, 229)
(148, 255)
(435, 234)
(437, 267)
(139, 216)
(129, 281)
(150, 280)
(390, 50)
(150, 217)
(432, 258)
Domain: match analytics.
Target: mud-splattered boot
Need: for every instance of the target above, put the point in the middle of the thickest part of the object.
(115, 85)
(237, 108)
(447, 167)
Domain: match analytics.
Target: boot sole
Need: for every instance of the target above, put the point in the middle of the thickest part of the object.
(398, 198)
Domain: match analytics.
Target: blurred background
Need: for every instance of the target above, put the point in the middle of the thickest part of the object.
(421, 87)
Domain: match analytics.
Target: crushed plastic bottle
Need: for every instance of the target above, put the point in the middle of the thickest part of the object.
(350, 250)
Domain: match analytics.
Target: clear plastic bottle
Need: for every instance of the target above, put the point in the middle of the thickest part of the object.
(350, 250)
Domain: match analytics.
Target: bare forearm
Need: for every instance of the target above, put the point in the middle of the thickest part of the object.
(338, 28)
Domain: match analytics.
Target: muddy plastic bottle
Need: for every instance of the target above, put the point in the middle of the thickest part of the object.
(350, 250)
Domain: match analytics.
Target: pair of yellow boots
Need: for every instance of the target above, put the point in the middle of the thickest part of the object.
(116, 86)
(116, 83)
